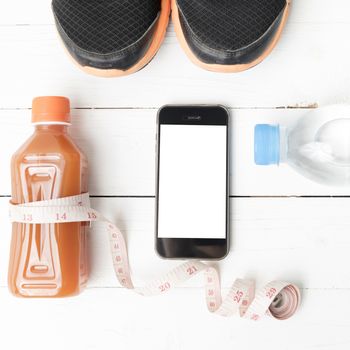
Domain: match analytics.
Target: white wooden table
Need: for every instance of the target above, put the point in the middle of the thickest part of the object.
(283, 226)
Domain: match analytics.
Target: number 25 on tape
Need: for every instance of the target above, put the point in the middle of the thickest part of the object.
(238, 296)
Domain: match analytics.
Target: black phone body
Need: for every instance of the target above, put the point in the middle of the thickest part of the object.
(192, 187)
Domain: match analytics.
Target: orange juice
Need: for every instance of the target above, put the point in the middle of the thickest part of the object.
(48, 260)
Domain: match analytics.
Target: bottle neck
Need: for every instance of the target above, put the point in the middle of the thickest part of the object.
(57, 128)
(283, 144)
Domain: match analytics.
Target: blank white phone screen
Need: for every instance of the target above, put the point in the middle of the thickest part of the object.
(192, 181)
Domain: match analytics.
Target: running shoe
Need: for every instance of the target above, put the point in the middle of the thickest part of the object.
(111, 37)
(229, 35)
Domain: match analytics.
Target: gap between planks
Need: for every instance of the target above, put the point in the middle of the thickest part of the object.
(201, 288)
(231, 197)
(296, 106)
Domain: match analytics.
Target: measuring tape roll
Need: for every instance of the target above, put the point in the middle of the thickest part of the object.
(277, 299)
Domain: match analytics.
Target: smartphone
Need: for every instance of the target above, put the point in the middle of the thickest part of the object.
(192, 188)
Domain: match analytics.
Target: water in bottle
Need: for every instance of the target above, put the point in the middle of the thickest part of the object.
(318, 146)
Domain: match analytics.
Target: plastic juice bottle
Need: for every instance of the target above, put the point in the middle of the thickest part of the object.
(48, 260)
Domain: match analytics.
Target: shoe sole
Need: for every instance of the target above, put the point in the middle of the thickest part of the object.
(157, 40)
(235, 68)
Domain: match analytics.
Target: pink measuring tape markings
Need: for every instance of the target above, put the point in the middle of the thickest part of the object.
(277, 299)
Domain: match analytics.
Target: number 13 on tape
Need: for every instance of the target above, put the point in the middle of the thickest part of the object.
(277, 299)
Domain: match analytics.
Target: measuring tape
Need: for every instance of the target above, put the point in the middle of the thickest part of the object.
(277, 299)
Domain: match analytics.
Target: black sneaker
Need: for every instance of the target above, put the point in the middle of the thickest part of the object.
(229, 35)
(111, 37)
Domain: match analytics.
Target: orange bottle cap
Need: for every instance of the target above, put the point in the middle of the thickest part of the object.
(51, 110)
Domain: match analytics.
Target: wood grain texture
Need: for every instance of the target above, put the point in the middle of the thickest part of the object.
(309, 65)
(277, 236)
(109, 319)
(302, 240)
(120, 145)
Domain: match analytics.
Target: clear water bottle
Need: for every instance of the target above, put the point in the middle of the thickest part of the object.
(318, 146)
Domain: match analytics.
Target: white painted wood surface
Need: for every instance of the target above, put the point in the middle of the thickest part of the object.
(276, 233)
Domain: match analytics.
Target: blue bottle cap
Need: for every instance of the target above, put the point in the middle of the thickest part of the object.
(266, 144)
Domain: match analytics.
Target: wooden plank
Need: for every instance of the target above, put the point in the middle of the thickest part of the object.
(110, 318)
(120, 145)
(301, 71)
(301, 240)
